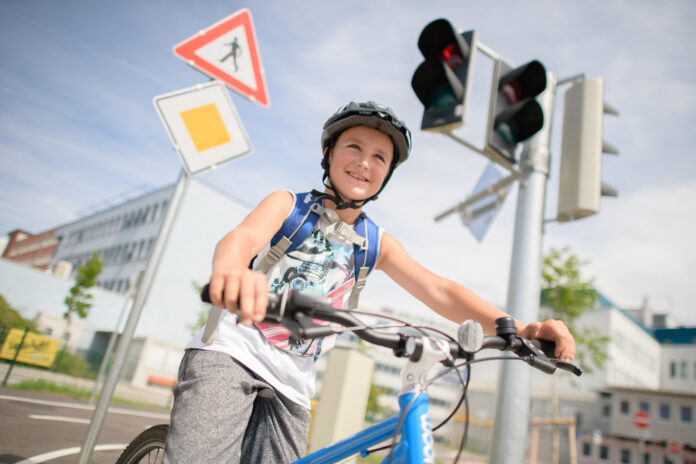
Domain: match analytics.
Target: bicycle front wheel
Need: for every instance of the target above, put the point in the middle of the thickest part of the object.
(148, 447)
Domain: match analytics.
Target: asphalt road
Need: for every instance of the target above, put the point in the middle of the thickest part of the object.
(43, 427)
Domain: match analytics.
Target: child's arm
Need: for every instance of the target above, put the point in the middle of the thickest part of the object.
(232, 284)
(456, 302)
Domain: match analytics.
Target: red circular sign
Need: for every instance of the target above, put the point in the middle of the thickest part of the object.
(641, 419)
(674, 448)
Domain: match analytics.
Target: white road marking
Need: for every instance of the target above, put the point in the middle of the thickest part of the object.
(67, 452)
(63, 404)
(59, 418)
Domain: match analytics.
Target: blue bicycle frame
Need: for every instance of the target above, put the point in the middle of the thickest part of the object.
(415, 445)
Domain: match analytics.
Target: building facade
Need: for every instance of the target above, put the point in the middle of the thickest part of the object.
(123, 236)
(642, 426)
(34, 250)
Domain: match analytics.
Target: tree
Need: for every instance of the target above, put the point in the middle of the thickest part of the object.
(566, 295)
(202, 316)
(79, 301)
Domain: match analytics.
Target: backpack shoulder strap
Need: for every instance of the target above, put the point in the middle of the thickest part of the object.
(365, 255)
(295, 229)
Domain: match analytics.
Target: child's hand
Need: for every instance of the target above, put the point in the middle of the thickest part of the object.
(241, 291)
(555, 331)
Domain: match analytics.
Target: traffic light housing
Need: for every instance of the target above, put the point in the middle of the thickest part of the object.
(442, 81)
(513, 113)
(580, 184)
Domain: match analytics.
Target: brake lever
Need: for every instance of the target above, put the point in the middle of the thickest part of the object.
(303, 326)
(567, 366)
(535, 357)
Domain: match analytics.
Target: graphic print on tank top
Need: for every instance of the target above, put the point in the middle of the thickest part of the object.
(316, 267)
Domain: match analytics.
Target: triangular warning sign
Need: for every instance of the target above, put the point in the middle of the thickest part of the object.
(228, 51)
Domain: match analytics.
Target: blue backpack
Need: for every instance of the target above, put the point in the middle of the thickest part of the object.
(301, 222)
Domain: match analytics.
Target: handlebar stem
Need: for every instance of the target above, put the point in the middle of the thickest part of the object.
(414, 375)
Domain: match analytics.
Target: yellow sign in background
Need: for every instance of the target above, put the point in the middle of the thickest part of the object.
(37, 349)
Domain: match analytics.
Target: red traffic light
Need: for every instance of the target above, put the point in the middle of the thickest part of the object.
(439, 40)
(527, 81)
(452, 56)
(441, 81)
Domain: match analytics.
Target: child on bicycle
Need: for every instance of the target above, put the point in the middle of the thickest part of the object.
(248, 392)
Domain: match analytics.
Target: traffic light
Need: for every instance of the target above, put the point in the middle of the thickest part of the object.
(580, 184)
(442, 81)
(513, 113)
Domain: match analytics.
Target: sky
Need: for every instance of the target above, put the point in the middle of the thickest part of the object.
(78, 127)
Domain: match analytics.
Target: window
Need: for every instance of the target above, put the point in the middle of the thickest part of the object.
(644, 406)
(604, 453)
(606, 410)
(587, 449)
(672, 369)
(625, 456)
(625, 407)
(646, 458)
(665, 412)
(684, 369)
(686, 414)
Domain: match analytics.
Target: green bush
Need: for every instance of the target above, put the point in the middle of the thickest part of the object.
(11, 319)
(72, 364)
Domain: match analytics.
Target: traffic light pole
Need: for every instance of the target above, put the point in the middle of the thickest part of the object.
(514, 393)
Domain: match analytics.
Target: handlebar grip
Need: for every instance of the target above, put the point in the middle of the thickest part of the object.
(547, 346)
(205, 293)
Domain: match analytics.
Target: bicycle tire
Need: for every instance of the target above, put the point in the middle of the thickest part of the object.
(148, 447)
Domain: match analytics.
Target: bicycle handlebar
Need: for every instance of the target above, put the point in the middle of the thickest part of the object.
(296, 312)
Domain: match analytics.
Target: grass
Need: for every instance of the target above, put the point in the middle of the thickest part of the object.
(46, 386)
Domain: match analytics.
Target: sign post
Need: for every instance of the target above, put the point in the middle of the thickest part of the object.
(206, 131)
(641, 421)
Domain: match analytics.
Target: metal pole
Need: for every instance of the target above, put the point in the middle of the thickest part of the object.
(14, 359)
(480, 195)
(132, 322)
(509, 443)
(109, 348)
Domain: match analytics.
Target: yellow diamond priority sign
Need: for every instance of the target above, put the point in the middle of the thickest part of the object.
(203, 125)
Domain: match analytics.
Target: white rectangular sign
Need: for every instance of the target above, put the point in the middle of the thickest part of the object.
(203, 125)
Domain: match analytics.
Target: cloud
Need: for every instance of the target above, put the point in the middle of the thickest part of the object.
(78, 123)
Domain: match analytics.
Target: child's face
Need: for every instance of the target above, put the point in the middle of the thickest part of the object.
(360, 162)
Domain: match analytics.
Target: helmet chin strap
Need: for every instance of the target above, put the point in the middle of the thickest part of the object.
(336, 197)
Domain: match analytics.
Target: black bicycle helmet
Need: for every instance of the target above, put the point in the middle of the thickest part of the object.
(368, 114)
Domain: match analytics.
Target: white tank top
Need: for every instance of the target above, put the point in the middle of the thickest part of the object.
(317, 266)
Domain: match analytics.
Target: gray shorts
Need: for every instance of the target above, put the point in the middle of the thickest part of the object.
(224, 413)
